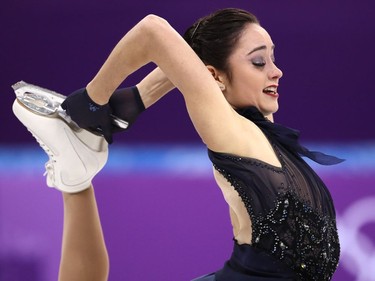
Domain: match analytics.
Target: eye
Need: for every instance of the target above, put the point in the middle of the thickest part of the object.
(259, 62)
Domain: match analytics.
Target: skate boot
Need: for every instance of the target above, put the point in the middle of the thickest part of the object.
(75, 155)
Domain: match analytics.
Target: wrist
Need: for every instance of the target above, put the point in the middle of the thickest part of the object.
(97, 95)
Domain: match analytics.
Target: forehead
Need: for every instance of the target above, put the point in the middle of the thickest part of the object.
(254, 36)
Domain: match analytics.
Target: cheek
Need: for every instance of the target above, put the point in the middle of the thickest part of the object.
(246, 85)
(250, 78)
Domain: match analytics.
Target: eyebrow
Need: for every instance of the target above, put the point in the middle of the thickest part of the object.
(263, 47)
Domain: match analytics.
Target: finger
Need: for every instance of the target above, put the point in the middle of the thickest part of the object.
(107, 133)
(64, 105)
(108, 138)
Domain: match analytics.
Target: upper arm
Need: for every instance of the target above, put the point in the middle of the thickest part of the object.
(213, 117)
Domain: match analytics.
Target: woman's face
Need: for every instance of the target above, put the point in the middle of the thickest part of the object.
(254, 75)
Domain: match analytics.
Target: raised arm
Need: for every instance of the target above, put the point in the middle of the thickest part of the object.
(154, 40)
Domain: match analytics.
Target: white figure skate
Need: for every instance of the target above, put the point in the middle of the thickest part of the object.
(47, 103)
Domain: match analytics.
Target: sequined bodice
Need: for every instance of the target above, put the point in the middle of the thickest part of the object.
(291, 211)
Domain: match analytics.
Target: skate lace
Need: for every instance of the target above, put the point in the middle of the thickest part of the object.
(50, 172)
(49, 165)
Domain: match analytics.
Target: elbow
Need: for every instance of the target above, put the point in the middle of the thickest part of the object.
(152, 25)
(153, 19)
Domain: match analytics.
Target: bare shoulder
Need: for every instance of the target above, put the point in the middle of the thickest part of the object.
(247, 140)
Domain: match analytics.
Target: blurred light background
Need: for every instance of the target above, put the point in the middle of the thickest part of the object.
(163, 216)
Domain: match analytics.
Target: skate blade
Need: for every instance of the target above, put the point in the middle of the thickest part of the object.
(46, 102)
(37, 99)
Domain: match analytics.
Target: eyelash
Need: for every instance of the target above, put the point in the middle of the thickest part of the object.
(261, 63)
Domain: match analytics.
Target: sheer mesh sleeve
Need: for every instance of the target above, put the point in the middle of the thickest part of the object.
(127, 104)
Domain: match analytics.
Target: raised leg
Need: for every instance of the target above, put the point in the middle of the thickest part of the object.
(75, 157)
(84, 255)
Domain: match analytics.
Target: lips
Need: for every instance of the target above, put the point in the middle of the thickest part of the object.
(271, 91)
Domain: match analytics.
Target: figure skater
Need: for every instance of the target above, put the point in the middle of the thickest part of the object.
(282, 214)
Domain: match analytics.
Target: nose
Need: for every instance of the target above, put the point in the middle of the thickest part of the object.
(275, 72)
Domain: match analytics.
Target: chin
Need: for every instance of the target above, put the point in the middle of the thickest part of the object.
(270, 109)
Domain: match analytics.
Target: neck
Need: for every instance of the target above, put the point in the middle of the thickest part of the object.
(269, 117)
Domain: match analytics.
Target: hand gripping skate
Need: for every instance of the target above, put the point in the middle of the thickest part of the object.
(46, 102)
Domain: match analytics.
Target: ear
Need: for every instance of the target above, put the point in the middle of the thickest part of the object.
(217, 76)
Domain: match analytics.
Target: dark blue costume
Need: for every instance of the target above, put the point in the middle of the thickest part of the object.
(294, 234)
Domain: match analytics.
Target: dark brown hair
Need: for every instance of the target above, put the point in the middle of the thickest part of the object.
(214, 37)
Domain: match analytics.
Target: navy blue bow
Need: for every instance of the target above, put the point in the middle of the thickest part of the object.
(287, 137)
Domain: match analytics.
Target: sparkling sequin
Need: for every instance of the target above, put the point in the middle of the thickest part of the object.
(292, 231)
